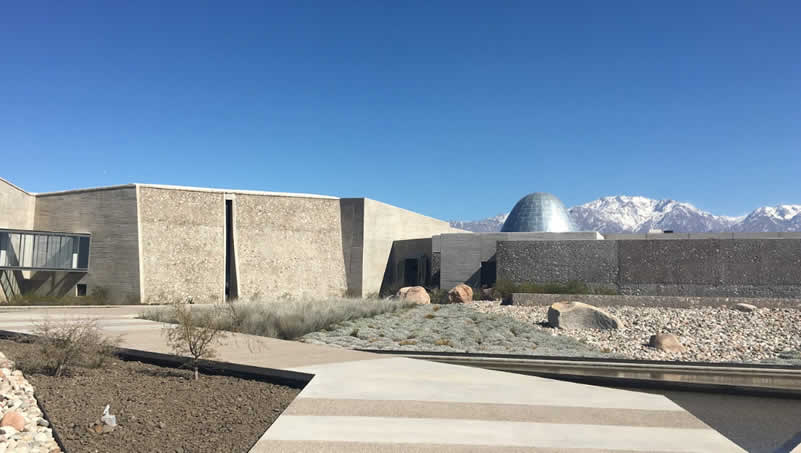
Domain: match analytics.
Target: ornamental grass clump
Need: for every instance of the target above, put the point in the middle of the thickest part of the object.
(285, 319)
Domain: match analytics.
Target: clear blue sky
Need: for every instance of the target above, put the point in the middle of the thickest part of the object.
(453, 109)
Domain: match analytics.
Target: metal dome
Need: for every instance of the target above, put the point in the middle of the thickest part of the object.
(540, 212)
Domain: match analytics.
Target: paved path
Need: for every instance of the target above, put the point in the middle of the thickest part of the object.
(361, 402)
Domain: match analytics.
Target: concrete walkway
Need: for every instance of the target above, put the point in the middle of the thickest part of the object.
(361, 402)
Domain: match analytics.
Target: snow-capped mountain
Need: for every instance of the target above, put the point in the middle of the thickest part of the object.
(623, 214)
(626, 214)
(482, 226)
(785, 217)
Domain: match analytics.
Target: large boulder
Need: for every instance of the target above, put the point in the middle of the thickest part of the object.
(460, 294)
(578, 315)
(416, 294)
(666, 342)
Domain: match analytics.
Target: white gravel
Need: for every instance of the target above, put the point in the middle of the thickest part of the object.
(718, 334)
(16, 395)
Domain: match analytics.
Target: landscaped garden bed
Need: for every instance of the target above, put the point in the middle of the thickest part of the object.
(450, 328)
(157, 409)
(707, 334)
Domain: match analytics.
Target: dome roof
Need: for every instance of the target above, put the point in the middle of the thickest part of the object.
(539, 211)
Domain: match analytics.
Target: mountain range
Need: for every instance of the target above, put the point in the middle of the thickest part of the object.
(632, 214)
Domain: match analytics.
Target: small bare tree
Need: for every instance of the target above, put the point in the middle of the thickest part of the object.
(67, 343)
(194, 335)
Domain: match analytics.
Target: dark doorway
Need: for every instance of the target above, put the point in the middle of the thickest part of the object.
(488, 273)
(410, 272)
(230, 263)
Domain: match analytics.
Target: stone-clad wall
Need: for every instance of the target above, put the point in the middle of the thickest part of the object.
(16, 207)
(711, 267)
(694, 267)
(289, 246)
(110, 215)
(592, 262)
(183, 245)
(462, 254)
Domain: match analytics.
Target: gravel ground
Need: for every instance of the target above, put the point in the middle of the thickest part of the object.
(158, 409)
(452, 328)
(709, 334)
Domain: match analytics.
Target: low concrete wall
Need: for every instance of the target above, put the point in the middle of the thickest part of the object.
(526, 299)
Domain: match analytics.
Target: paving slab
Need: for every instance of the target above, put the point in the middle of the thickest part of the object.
(362, 402)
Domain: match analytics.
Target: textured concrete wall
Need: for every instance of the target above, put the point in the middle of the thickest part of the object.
(652, 301)
(592, 262)
(460, 259)
(461, 254)
(765, 268)
(289, 246)
(17, 207)
(110, 215)
(183, 245)
(384, 224)
(710, 267)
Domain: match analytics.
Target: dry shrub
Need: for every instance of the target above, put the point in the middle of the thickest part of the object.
(62, 345)
(194, 335)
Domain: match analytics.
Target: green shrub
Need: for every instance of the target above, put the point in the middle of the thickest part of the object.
(476, 293)
(286, 319)
(438, 296)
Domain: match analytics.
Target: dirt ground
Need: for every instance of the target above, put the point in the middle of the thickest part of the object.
(158, 409)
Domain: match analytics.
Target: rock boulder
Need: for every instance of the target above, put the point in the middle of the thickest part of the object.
(748, 308)
(460, 294)
(13, 419)
(578, 315)
(416, 294)
(666, 342)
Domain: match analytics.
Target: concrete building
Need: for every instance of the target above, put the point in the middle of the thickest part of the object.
(154, 244)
